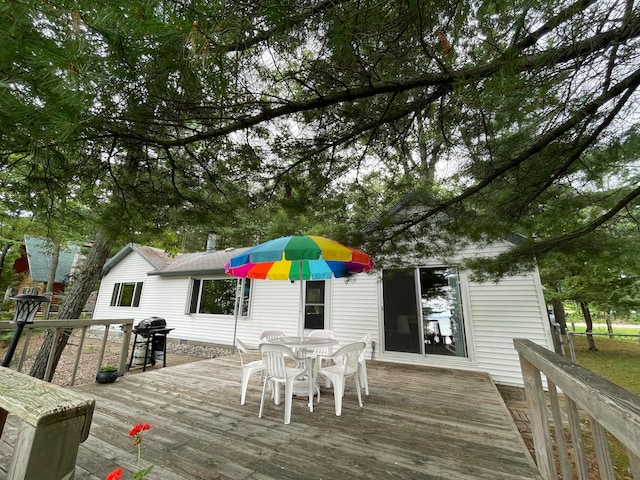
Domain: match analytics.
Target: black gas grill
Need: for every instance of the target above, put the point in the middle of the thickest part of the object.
(150, 326)
(152, 345)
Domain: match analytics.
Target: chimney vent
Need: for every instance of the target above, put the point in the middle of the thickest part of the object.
(211, 242)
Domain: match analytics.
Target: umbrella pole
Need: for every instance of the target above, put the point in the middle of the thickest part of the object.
(300, 305)
(237, 307)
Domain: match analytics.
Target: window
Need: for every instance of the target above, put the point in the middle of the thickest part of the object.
(195, 295)
(246, 295)
(314, 305)
(213, 296)
(126, 294)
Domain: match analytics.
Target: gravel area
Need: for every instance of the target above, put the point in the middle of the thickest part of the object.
(177, 353)
(199, 351)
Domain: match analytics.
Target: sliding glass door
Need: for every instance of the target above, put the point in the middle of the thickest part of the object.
(423, 311)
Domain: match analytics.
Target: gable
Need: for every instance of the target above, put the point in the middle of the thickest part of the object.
(39, 254)
(182, 265)
(155, 258)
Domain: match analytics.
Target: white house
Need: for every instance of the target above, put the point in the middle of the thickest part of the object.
(428, 314)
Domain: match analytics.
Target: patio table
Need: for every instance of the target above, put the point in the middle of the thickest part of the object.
(304, 343)
(301, 345)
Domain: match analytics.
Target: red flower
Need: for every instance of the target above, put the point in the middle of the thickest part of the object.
(136, 434)
(139, 428)
(115, 475)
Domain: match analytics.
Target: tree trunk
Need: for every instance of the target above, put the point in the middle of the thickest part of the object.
(587, 318)
(608, 319)
(72, 307)
(558, 327)
(3, 256)
(560, 314)
(55, 257)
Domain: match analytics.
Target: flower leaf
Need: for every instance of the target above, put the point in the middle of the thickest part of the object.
(141, 474)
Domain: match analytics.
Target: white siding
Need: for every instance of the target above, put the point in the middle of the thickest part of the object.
(133, 269)
(495, 314)
(355, 308)
(512, 308)
(274, 306)
(171, 300)
(164, 297)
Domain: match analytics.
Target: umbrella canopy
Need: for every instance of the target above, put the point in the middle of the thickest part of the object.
(300, 257)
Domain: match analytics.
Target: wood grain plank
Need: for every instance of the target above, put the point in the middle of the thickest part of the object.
(418, 422)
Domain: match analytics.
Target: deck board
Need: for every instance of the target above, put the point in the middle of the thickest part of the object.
(418, 423)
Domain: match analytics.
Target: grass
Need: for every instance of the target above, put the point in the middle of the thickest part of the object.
(8, 335)
(617, 360)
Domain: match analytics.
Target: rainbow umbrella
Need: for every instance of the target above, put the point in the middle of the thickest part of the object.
(299, 257)
(306, 257)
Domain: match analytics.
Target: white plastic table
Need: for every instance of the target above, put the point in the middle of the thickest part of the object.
(301, 344)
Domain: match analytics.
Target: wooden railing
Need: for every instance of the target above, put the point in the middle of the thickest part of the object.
(53, 421)
(609, 408)
(83, 325)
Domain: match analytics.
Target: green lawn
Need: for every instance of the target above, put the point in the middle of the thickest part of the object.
(617, 360)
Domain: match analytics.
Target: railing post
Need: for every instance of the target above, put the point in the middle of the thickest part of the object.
(601, 447)
(53, 423)
(25, 348)
(611, 409)
(558, 427)
(579, 453)
(83, 333)
(539, 423)
(124, 352)
(572, 350)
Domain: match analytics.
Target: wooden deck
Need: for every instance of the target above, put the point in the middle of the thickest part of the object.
(418, 423)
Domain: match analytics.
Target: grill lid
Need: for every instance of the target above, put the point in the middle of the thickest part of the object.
(151, 323)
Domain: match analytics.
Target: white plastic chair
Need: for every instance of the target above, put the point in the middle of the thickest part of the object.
(248, 368)
(270, 334)
(322, 334)
(346, 364)
(362, 364)
(278, 372)
(321, 354)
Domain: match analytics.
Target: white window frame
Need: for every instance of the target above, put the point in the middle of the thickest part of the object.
(136, 294)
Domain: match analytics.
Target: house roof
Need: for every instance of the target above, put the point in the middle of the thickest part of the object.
(199, 263)
(155, 257)
(185, 264)
(40, 258)
(415, 203)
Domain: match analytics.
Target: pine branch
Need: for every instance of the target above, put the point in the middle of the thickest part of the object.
(462, 76)
(631, 82)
